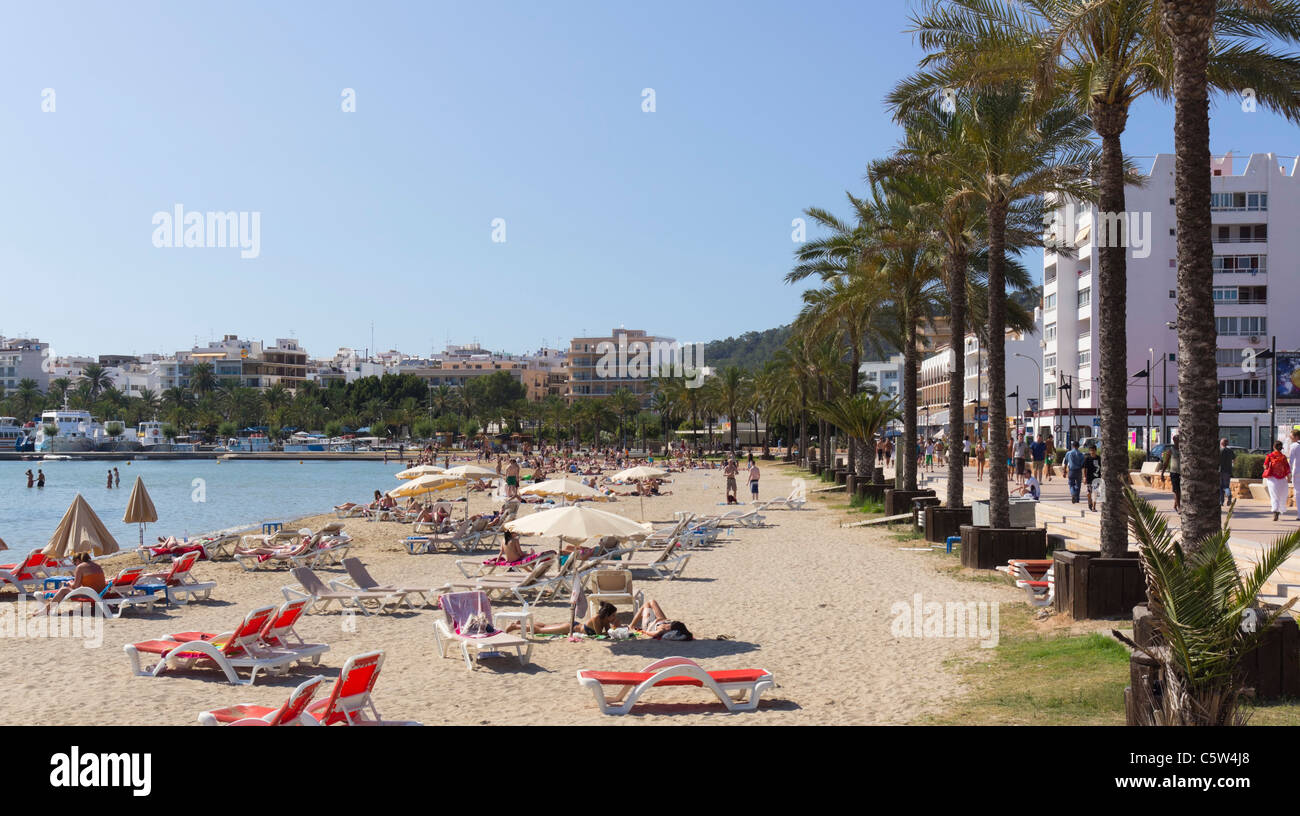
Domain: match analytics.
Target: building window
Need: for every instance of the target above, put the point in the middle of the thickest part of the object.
(1085, 358)
(1241, 388)
(1049, 391)
(1085, 393)
(1085, 297)
(1049, 333)
(1241, 325)
(1239, 202)
(1049, 302)
(1225, 294)
(1049, 362)
(1240, 263)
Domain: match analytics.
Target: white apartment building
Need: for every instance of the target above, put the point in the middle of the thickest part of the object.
(1243, 205)
(886, 376)
(23, 358)
(1022, 378)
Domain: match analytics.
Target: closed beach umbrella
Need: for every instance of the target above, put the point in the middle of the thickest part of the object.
(419, 470)
(578, 523)
(567, 488)
(80, 531)
(139, 508)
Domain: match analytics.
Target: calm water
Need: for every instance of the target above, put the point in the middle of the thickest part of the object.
(231, 493)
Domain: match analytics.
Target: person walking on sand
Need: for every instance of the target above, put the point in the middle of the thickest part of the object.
(512, 479)
(730, 472)
(753, 482)
(1277, 479)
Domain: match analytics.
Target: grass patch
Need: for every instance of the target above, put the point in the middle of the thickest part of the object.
(867, 504)
(905, 533)
(1036, 680)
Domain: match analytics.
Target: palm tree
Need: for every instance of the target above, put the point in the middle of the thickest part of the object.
(26, 397)
(276, 399)
(929, 162)
(202, 379)
(623, 404)
(732, 397)
(59, 388)
(861, 416)
(98, 378)
(1104, 55)
(1242, 63)
(1198, 598)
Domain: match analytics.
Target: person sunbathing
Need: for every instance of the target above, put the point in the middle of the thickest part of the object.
(651, 621)
(87, 574)
(511, 551)
(266, 551)
(605, 618)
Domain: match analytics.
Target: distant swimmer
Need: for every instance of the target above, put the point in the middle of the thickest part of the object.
(40, 478)
(117, 478)
(110, 480)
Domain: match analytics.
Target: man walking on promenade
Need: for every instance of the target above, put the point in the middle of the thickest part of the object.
(1039, 451)
(1226, 455)
(1074, 461)
(1020, 453)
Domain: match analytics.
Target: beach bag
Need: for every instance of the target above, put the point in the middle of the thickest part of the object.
(1278, 468)
(477, 625)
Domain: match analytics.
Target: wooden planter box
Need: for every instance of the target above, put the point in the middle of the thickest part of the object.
(919, 506)
(815, 468)
(899, 501)
(1089, 586)
(989, 547)
(1272, 669)
(841, 476)
(941, 522)
(874, 490)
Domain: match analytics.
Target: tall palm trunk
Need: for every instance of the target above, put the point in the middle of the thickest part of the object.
(855, 359)
(803, 432)
(956, 274)
(999, 499)
(1189, 23)
(906, 452)
(1112, 334)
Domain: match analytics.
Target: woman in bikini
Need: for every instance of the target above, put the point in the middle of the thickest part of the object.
(599, 624)
(650, 620)
(87, 574)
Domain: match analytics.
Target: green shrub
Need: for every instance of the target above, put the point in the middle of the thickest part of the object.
(1248, 466)
(1136, 458)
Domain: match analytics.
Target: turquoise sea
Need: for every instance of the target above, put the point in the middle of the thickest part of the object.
(192, 497)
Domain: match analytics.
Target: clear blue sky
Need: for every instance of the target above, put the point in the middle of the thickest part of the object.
(676, 221)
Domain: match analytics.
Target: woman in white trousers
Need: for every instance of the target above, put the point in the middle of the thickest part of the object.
(1277, 481)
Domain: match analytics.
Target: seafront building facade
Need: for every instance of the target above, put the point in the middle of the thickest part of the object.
(1254, 206)
(24, 358)
(590, 374)
(1022, 379)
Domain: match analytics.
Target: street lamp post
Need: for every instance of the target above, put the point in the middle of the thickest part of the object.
(1145, 374)
(1039, 366)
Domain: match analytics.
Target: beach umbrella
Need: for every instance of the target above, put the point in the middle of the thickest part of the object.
(429, 483)
(80, 531)
(473, 472)
(635, 474)
(578, 523)
(419, 470)
(139, 508)
(638, 472)
(564, 488)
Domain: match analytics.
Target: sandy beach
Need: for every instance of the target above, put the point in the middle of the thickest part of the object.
(802, 598)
